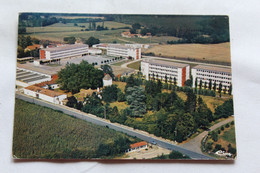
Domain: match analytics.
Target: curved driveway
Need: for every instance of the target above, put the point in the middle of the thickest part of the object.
(195, 143)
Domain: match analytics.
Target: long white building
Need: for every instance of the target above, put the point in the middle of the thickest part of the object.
(45, 94)
(124, 51)
(181, 72)
(215, 74)
(66, 51)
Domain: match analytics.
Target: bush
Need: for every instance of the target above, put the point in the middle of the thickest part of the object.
(219, 131)
(218, 147)
(232, 123)
(232, 150)
(227, 125)
(222, 128)
(214, 136)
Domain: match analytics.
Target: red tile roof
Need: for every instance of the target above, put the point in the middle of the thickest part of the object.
(138, 144)
(45, 83)
(44, 91)
(35, 46)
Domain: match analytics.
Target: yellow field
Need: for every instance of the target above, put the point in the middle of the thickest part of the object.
(120, 85)
(207, 52)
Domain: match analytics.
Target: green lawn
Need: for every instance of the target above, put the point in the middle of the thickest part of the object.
(40, 132)
(230, 136)
(135, 65)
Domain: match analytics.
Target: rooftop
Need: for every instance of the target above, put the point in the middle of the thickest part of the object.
(107, 77)
(138, 144)
(166, 63)
(213, 68)
(66, 47)
(44, 91)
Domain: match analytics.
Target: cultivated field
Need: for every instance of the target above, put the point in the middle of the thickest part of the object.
(58, 31)
(41, 132)
(203, 52)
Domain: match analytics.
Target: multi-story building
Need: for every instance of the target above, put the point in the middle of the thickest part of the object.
(211, 73)
(66, 51)
(124, 51)
(160, 69)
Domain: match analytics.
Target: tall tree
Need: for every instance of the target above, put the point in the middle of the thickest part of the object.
(91, 41)
(108, 70)
(215, 86)
(190, 103)
(230, 89)
(109, 93)
(210, 84)
(136, 100)
(77, 76)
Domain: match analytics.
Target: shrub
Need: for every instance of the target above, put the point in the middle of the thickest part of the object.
(222, 128)
(232, 123)
(227, 125)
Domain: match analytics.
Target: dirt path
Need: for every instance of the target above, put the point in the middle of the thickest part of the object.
(195, 143)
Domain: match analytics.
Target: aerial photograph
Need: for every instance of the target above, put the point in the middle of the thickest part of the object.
(124, 87)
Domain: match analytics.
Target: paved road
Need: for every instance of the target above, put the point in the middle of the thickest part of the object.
(195, 143)
(186, 61)
(130, 131)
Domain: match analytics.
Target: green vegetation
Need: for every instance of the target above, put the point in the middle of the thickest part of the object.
(77, 76)
(135, 65)
(41, 132)
(91, 41)
(173, 155)
(223, 138)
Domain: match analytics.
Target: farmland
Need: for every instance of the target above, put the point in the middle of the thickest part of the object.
(41, 132)
(202, 52)
(58, 31)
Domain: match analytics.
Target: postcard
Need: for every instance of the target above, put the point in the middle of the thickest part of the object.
(117, 86)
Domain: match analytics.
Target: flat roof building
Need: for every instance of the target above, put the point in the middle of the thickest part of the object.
(66, 51)
(26, 77)
(124, 51)
(211, 73)
(162, 69)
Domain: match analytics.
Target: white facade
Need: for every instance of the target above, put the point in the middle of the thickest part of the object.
(107, 80)
(181, 72)
(124, 51)
(94, 51)
(215, 74)
(64, 51)
(44, 94)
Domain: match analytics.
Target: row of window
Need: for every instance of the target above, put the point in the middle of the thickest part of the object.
(219, 81)
(214, 72)
(161, 66)
(162, 74)
(201, 74)
(171, 71)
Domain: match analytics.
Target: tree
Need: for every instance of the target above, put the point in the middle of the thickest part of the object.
(230, 89)
(220, 89)
(109, 93)
(174, 81)
(108, 70)
(190, 103)
(200, 83)
(203, 115)
(91, 41)
(69, 40)
(130, 82)
(136, 99)
(210, 84)
(136, 26)
(184, 127)
(177, 155)
(196, 83)
(215, 86)
(77, 76)
(225, 110)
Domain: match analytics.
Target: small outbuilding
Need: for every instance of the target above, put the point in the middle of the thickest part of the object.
(137, 146)
(107, 80)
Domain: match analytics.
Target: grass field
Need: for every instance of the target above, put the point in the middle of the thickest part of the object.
(203, 52)
(58, 31)
(120, 85)
(41, 132)
(120, 105)
(229, 136)
(135, 65)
